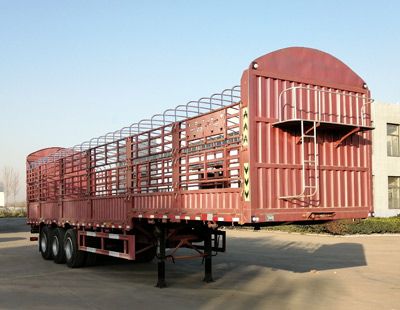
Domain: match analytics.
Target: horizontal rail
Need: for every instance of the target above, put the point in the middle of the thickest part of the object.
(172, 162)
(128, 240)
(170, 116)
(292, 109)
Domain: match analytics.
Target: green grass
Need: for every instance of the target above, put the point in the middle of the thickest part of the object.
(13, 213)
(375, 225)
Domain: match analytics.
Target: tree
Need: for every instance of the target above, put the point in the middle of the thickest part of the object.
(11, 185)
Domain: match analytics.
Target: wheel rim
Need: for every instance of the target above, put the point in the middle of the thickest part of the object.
(68, 248)
(55, 246)
(43, 243)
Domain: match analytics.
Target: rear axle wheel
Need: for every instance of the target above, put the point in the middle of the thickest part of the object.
(45, 238)
(73, 256)
(57, 246)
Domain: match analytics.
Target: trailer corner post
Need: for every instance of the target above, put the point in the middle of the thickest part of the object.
(161, 257)
(208, 256)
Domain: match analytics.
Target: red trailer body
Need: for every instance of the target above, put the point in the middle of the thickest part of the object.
(292, 143)
(310, 140)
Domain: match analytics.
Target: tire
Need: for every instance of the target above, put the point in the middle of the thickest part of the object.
(57, 247)
(73, 257)
(45, 237)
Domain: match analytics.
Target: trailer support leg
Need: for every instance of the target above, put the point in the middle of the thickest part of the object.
(208, 257)
(161, 258)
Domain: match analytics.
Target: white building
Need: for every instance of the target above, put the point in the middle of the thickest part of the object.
(386, 159)
(2, 202)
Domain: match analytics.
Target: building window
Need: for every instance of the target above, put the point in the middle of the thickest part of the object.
(394, 192)
(393, 140)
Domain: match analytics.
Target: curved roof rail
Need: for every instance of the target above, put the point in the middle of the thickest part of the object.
(169, 116)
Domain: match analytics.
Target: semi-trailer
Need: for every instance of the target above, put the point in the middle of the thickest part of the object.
(292, 143)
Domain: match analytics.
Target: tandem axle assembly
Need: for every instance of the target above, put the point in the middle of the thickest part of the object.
(78, 247)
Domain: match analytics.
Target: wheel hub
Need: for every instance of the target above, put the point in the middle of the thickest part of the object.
(68, 249)
(55, 245)
(43, 243)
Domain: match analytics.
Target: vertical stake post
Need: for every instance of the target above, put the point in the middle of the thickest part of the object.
(208, 256)
(161, 258)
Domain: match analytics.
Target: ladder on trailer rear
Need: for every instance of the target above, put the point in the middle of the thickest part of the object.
(319, 114)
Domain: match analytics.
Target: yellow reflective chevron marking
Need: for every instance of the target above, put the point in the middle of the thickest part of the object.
(246, 191)
(245, 127)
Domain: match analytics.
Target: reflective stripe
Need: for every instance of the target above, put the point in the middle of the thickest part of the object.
(92, 250)
(245, 126)
(113, 236)
(115, 254)
(246, 174)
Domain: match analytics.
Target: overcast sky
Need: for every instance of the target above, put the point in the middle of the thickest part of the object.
(72, 70)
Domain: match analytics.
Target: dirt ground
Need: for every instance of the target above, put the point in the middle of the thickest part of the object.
(260, 270)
